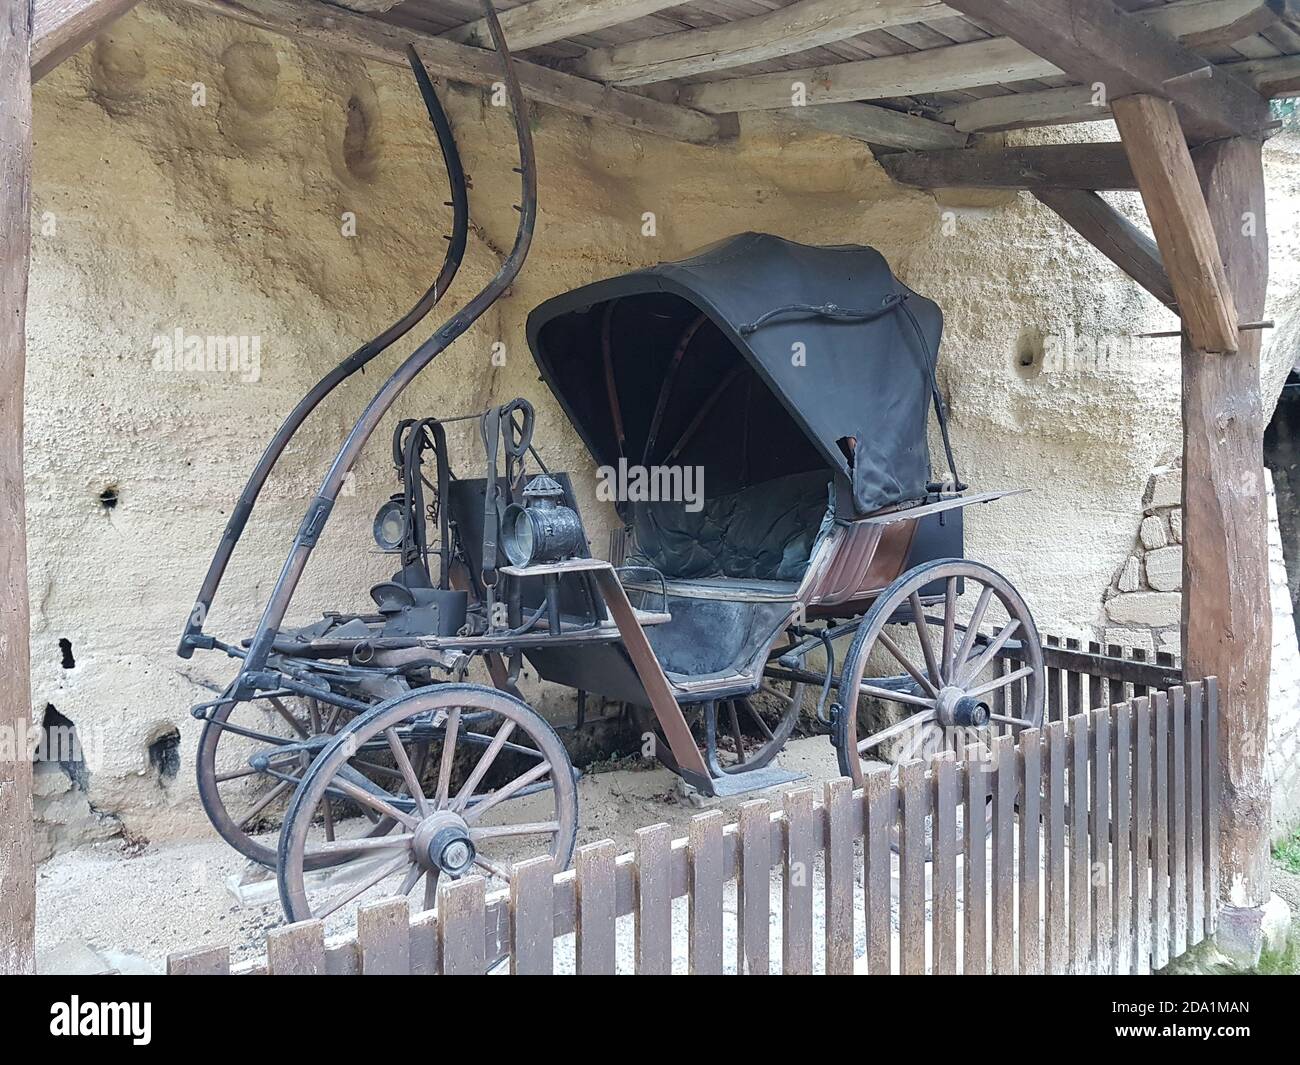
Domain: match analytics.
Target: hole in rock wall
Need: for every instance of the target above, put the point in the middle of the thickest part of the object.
(108, 497)
(165, 755)
(59, 743)
(65, 654)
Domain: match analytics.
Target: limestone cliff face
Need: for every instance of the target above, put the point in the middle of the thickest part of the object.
(195, 175)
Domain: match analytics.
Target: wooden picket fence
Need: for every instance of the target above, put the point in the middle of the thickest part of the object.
(1087, 846)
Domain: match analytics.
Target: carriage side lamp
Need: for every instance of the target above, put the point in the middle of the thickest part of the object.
(542, 530)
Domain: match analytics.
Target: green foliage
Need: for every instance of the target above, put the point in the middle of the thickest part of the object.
(1286, 111)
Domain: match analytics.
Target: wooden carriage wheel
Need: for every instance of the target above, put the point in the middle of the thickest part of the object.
(486, 782)
(954, 687)
(242, 800)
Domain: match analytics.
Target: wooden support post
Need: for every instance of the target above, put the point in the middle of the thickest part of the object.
(1227, 619)
(1176, 206)
(17, 881)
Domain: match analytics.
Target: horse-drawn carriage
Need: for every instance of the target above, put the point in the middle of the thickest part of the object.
(759, 416)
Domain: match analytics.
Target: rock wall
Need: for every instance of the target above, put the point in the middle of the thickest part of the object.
(194, 174)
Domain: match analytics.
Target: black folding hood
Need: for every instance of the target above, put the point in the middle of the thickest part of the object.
(756, 358)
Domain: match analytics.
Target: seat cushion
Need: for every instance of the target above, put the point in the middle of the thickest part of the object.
(765, 532)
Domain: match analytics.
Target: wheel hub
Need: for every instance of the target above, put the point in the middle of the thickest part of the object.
(442, 842)
(956, 709)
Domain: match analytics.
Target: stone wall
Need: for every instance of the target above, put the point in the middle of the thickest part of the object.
(194, 173)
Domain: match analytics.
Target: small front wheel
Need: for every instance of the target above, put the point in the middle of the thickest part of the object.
(479, 782)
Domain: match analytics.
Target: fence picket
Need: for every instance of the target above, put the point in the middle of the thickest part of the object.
(1030, 761)
(975, 819)
(297, 949)
(704, 852)
(797, 884)
(1004, 856)
(1143, 848)
(1073, 685)
(654, 900)
(1056, 934)
(1100, 825)
(1177, 822)
(882, 808)
(1053, 685)
(460, 926)
(754, 889)
(1160, 889)
(838, 813)
(1213, 783)
(1121, 859)
(532, 924)
(1080, 881)
(384, 937)
(206, 961)
(594, 889)
(943, 870)
(1195, 854)
(911, 868)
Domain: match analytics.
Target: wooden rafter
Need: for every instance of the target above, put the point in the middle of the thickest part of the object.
(1114, 236)
(1045, 166)
(332, 27)
(802, 25)
(962, 66)
(544, 21)
(1098, 43)
(1082, 103)
(1180, 219)
(874, 125)
(61, 27)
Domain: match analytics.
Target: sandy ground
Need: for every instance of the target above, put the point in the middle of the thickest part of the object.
(106, 906)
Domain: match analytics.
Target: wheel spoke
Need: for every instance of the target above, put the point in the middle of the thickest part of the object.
(906, 663)
(923, 634)
(412, 878)
(408, 772)
(758, 718)
(1002, 682)
(529, 828)
(373, 802)
(895, 697)
(294, 723)
(431, 889)
(896, 729)
(990, 652)
(365, 885)
(946, 666)
(1018, 722)
(361, 843)
(484, 764)
(266, 801)
(736, 736)
(476, 811)
(496, 870)
(972, 632)
(448, 753)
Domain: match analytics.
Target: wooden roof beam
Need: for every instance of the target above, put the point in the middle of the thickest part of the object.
(544, 21)
(1097, 43)
(325, 26)
(1114, 236)
(1044, 166)
(802, 25)
(61, 27)
(1082, 103)
(954, 67)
